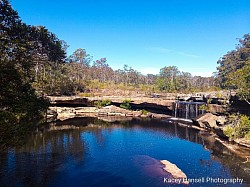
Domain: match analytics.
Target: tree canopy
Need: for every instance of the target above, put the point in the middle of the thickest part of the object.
(234, 69)
(24, 49)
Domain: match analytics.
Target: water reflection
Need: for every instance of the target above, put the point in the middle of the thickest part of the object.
(90, 152)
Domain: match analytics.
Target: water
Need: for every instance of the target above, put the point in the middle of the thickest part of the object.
(90, 152)
(187, 110)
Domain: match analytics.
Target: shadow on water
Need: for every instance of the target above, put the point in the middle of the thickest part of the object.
(87, 152)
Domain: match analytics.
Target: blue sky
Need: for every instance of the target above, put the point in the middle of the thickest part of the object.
(146, 35)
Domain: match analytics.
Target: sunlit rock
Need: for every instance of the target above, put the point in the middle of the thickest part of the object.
(174, 171)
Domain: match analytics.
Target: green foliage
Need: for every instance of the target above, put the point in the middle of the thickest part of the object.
(229, 132)
(247, 136)
(168, 78)
(144, 112)
(234, 69)
(126, 104)
(240, 127)
(240, 80)
(209, 100)
(203, 107)
(172, 80)
(85, 94)
(102, 103)
(21, 48)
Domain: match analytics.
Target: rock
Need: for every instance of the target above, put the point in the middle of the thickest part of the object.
(174, 171)
(137, 113)
(69, 101)
(160, 168)
(216, 109)
(81, 110)
(220, 132)
(51, 114)
(159, 116)
(243, 142)
(221, 120)
(206, 120)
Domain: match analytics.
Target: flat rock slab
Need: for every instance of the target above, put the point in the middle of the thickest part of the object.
(160, 169)
(174, 171)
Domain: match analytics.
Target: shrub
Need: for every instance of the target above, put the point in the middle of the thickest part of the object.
(144, 112)
(203, 107)
(209, 100)
(229, 132)
(240, 127)
(126, 104)
(247, 136)
(86, 94)
(102, 103)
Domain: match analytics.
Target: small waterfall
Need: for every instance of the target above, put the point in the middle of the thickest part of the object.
(187, 110)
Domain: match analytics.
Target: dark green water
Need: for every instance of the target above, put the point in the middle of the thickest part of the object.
(90, 152)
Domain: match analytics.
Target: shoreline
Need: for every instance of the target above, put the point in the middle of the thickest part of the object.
(84, 107)
(186, 123)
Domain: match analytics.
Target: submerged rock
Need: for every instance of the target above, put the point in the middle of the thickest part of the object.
(174, 171)
(160, 169)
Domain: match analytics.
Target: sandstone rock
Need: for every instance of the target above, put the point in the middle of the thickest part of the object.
(80, 110)
(51, 115)
(243, 142)
(159, 116)
(68, 101)
(206, 120)
(221, 120)
(157, 169)
(174, 171)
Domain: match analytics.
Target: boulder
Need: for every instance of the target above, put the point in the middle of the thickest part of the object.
(174, 171)
(206, 120)
(160, 168)
(51, 115)
(158, 116)
(221, 120)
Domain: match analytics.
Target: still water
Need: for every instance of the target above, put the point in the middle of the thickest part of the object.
(90, 152)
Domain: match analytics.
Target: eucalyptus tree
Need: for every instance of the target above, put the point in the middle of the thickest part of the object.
(234, 60)
(22, 49)
(168, 78)
(233, 69)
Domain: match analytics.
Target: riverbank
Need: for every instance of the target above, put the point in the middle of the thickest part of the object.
(64, 108)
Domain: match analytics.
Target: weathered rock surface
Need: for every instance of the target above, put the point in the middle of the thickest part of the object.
(63, 113)
(209, 121)
(148, 103)
(160, 168)
(69, 101)
(217, 124)
(206, 120)
(174, 171)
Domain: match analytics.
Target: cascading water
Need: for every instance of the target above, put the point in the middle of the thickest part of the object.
(187, 110)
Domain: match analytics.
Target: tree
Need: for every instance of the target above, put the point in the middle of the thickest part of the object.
(25, 53)
(168, 78)
(240, 80)
(234, 60)
(234, 68)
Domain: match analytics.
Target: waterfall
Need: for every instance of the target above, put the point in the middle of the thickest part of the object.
(187, 110)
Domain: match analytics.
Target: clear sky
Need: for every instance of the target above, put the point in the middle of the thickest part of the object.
(145, 34)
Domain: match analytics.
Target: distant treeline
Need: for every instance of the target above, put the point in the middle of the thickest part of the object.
(79, 73)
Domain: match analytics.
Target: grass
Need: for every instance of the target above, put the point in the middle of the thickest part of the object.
(126, 104)
(102, 103)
